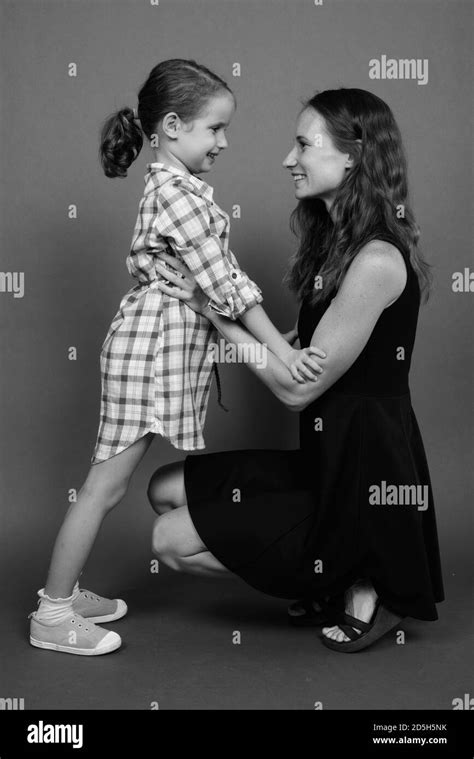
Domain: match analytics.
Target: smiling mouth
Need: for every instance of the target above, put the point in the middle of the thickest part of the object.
(298, 177)
(212, 155)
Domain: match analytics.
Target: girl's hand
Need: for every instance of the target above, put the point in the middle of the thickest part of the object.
(184, 286)
(303, 365)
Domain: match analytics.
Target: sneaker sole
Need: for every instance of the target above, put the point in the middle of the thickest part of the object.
(79, 651)
(121, 611)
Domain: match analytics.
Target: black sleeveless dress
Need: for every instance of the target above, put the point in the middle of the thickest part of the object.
(355, 500)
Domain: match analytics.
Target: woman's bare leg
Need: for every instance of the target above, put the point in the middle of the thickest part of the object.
(175, 539)
(178, 545)
(166, 489)
(104, 487)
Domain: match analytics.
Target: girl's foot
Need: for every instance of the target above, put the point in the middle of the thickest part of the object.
(98, 609)
(359, 602)
(73, 635)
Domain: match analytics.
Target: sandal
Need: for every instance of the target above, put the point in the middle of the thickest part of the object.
(381, 623)
(303, 613)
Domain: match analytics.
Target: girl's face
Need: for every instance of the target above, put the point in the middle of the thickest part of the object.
(197, 145)
(317, 167)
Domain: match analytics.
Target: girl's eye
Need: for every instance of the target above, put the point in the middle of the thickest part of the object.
(301, 145)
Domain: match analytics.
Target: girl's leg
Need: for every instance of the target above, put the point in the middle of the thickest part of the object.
(175, 540)
(105, 486)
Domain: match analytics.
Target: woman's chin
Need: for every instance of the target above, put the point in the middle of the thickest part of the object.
(301, 193)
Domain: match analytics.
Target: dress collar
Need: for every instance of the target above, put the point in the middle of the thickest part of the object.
(163, 171)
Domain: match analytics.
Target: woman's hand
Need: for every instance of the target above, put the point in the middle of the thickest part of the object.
(184, 284)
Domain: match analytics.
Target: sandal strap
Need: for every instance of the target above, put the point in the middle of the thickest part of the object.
(349, 631)
(354, 622)
(347, 623)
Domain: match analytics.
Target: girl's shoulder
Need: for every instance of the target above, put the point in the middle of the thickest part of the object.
(185, 184)
(191, 195)
(178, 184)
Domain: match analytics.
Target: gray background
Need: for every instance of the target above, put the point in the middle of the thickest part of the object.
(75, 276)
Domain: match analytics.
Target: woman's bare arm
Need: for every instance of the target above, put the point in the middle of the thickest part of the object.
(376, 277)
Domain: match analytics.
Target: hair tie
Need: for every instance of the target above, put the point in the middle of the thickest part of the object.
(135, 114)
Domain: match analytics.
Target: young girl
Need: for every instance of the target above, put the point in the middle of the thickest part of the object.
(155, 366)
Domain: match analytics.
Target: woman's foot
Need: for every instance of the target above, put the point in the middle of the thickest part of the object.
(359, 602)
(312, 613)
(300, 608)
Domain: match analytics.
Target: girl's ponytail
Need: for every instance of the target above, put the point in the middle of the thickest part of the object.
(121, 140)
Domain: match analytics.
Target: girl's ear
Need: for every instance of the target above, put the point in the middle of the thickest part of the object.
(171, 125)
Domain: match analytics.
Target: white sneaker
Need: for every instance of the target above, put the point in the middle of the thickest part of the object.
(74, 635)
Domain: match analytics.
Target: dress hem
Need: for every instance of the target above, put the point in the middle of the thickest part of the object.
(96, 460)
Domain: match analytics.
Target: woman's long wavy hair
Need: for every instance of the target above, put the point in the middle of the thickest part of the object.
(178, 85)
(371, 200)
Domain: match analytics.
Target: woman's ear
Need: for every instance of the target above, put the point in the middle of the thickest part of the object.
(350, 159)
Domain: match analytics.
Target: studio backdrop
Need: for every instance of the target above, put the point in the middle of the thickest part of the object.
(66, 230)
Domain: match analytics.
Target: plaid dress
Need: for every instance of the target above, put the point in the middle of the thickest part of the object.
(155, 366)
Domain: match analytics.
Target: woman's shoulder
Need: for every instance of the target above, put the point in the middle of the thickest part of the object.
(382, 262)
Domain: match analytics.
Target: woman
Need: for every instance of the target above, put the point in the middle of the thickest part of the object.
(346, 522)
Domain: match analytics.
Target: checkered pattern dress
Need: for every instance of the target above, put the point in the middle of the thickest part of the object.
(155, 366)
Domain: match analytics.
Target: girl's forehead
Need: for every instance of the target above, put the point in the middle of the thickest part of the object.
(220, 107)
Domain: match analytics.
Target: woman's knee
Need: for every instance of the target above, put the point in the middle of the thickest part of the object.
(166, 488)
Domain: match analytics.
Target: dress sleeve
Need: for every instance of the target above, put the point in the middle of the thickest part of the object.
(185, 221)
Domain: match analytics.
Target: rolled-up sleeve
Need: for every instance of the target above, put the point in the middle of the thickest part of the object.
(184, 219)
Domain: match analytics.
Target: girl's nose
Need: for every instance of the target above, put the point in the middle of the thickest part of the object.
(222, 142)
(290, 159)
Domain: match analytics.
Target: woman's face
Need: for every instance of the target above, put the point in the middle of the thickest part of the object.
(316, 165)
